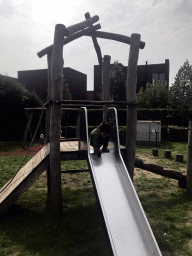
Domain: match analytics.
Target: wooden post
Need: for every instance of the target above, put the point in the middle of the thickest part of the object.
(56, 113)
(167, 153)
(95, 42)
(189, 161)
(105, 84)
(179, 158)
(155, 151)
(132, 97)
(48, 116)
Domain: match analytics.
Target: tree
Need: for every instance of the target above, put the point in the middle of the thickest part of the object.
(14, 95)
(117, 80)
(13, 99)
(181, 90)
(66, 91)
(154, 96)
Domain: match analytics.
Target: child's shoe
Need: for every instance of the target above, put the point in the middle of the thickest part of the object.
(99, 153)
(105, 150)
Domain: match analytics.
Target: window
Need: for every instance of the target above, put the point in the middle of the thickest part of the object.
(154, 78)
(162, 77)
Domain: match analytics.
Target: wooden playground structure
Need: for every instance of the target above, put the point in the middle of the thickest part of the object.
(55, 150)
(55, 101)
(134, 232)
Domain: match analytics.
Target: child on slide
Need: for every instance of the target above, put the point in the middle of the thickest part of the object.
(100, 137)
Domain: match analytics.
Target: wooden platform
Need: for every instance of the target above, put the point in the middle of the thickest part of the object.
(70, 150)
(23, 179)
(68, 146)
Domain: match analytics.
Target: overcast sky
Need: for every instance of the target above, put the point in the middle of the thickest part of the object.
(27, 26)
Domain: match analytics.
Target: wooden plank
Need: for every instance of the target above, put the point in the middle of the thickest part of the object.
(69, 146)
(74, 144)
(24, 178)
(75, 170)
(23, 186)
(88, 102)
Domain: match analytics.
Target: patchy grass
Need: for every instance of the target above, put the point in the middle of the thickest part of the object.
(8, 167)
(145, 152)
(168, 209)
(167, 206)
(28, 228)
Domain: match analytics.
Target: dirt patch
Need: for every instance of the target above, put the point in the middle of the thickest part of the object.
(22, 152)
(139, 172)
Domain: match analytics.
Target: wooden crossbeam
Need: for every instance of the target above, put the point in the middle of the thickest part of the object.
(115, 37)
(74, 30)
(69, 39)
(76, 102)
(82, 25)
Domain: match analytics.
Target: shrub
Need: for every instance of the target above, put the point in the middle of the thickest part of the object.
(14, 98)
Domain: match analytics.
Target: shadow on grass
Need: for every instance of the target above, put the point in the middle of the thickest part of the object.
(168, 215)
(31, 231)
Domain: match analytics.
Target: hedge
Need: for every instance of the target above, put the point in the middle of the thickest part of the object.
(166, 116)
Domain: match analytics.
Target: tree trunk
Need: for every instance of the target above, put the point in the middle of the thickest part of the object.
(132, 97)
(56, 113)
(48, 116)
(105, 84)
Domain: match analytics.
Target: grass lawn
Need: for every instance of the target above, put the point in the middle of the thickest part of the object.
(28, 229)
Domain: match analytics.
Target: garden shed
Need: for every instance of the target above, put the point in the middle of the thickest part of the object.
(148, 131)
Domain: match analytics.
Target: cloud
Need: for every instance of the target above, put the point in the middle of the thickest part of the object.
(6, 8)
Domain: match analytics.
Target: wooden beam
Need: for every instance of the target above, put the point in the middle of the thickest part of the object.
(82, 25)
(48, 116)
(24, 185)
(48, 112)
(116, 37)
(131, 96)
(70, 39)
(95, 43)
(105, 84)
(99, 103)
(75, 171)
(56, 114)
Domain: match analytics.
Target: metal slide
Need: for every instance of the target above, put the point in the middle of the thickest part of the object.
(127, 226)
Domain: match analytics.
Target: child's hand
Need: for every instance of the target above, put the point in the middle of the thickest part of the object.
(95, 157)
